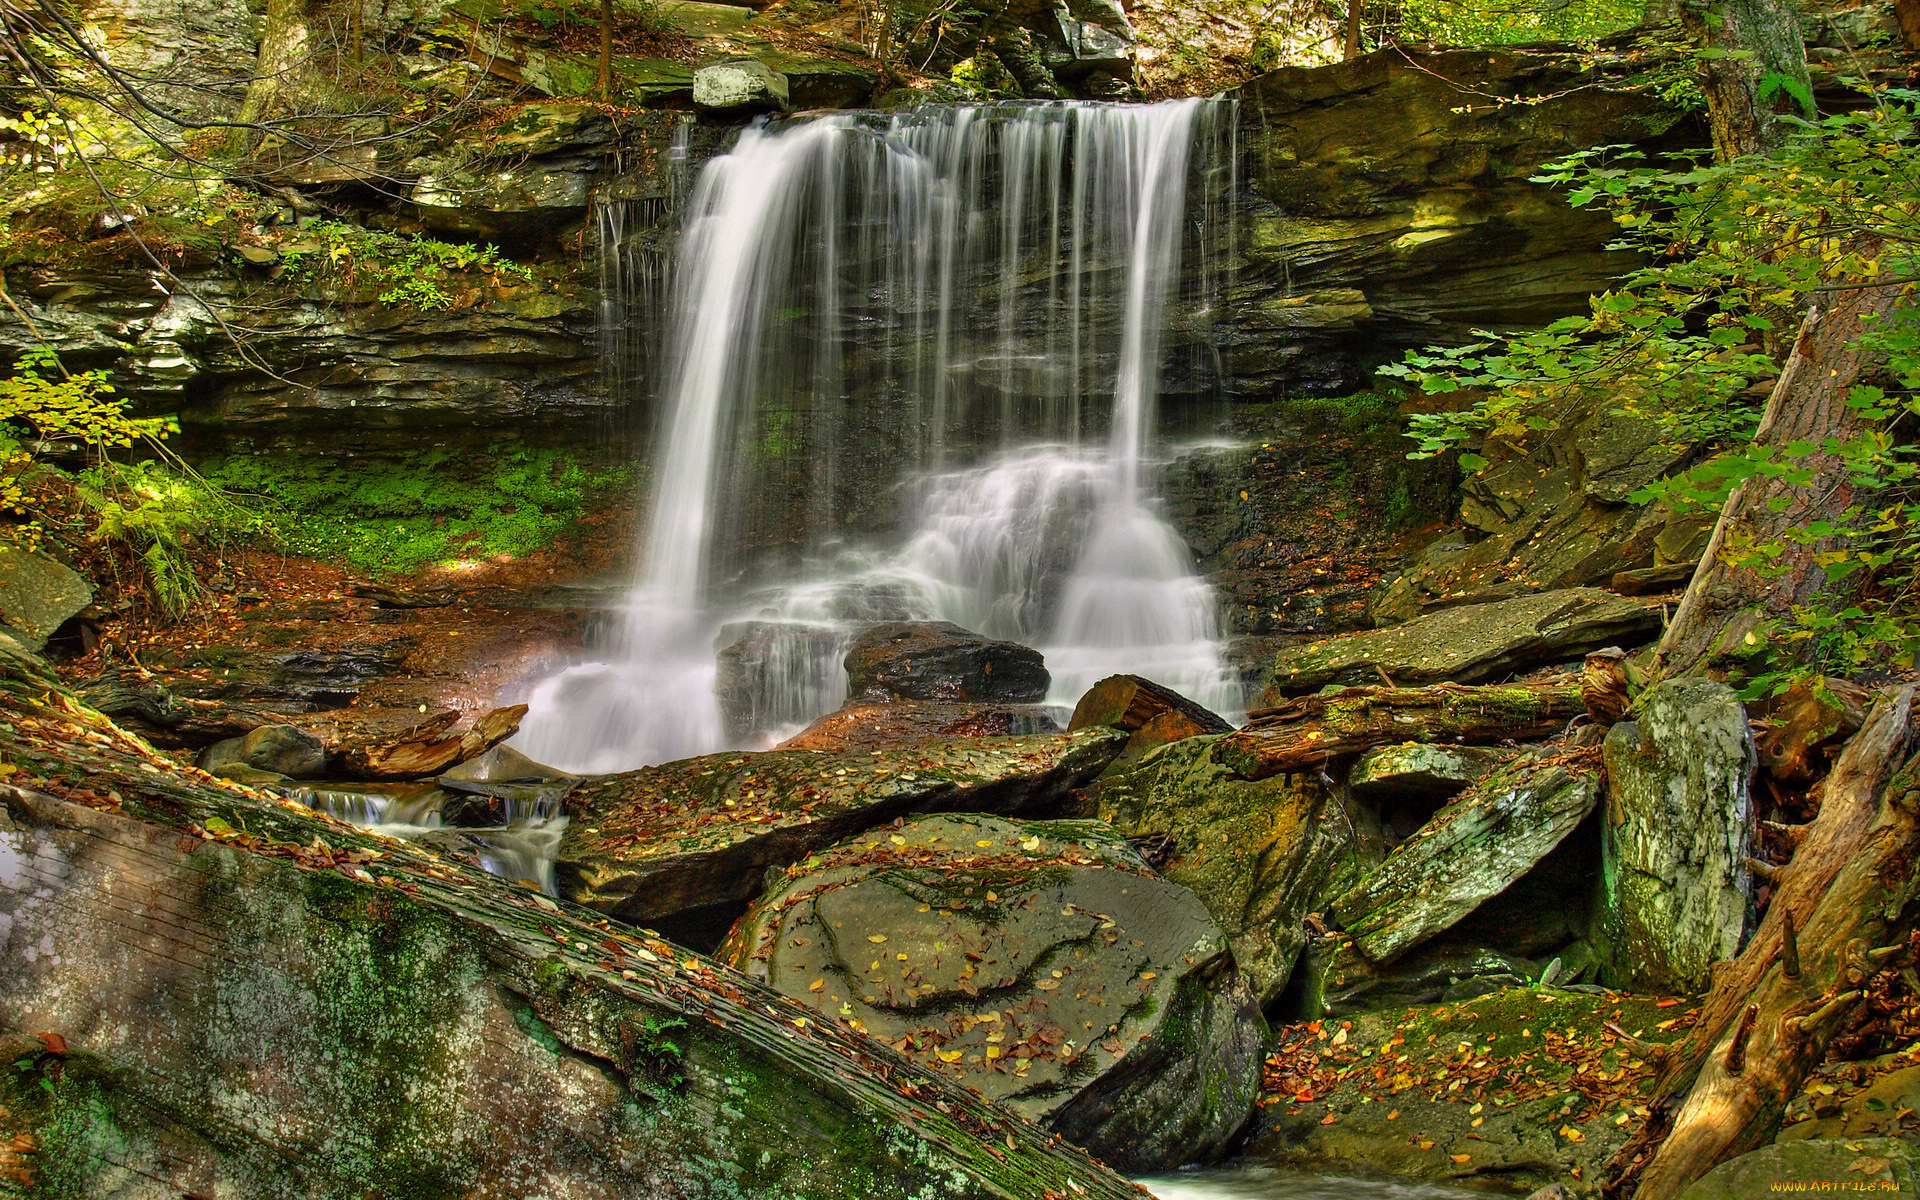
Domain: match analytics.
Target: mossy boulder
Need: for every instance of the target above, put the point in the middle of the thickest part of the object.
(1817, 1165)
(1260, 855)
(1677, 894)
(1517, 1089)
(1417, 770)
(37, 594)
(938, 660)
(1040, 963)
(683, 836)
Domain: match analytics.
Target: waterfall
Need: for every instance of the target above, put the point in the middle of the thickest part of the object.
(952, 320)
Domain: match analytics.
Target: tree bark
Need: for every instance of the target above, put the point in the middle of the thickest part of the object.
(605, 88)
(1353, 30)
(1725, 601)
(1766, 1023)
(282, 42)
(1310, 731)
(1752, 46)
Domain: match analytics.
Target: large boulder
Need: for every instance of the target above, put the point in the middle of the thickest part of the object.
(1260, 855)
(281, 749)
(686, 836)
(1679, 823)
(38, 594)
(1040, 963)
(1468, 644)
(938, 660)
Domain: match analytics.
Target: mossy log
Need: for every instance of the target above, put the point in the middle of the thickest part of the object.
(1310, 731)
(1843, 908)
(236, 995)
(1470, 850)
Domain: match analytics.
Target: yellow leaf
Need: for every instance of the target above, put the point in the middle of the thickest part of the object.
(1571, 1134)
(1461, 1158)
(983, 843)
(947, 1056)
(876, 937)
(816, 985)
(1426, 1145)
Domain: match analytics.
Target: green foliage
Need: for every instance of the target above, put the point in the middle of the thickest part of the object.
(984, 77)
(1453, 23)
(42, 407)
(390, 517)
(403, 268)
(1736, 254)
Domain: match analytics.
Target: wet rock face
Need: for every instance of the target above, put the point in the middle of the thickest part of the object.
(1678, 894)
(938, 660)
(1040, 963)
(1260, 855)
(649, 844)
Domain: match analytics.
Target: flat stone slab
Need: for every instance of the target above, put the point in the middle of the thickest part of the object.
(647, 844)
(1030, 961)
(37, 594)
(862, 725)
(1469, 644)
(1470, 850)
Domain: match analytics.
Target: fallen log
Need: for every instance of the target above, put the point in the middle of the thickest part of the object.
(1310, 731)
(251, 999)
(1842, 907)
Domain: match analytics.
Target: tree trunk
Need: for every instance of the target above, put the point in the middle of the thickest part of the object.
(283, 41)
(1353, 30)
(1308, 732)
(1757, 63)
(1771, 1012)
(1725, 601)
(605, 87)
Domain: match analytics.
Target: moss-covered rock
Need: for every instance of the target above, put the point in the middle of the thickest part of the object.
(1677, 894)
(1826, 1164)
(1260, 855)
(1517, 1089)
(1040, 963)
(667, 840)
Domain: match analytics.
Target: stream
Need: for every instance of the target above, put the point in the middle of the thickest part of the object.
(1248, 1181)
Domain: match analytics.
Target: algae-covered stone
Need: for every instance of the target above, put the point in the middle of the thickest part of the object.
(1259, 855)
(1422, 770)
(1677, 894)
(1040, 963)
(660, 841)
(37, 594)
(1470, 643)
(280, 749)
(1818, 1165)
(1472, 849)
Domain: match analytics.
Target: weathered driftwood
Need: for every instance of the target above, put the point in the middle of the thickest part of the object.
(1848, 895)
(1310, 731)
(233, 994)
(431, 748)
(1470, 850)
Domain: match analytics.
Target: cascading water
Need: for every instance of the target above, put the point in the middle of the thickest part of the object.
(857, 295)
